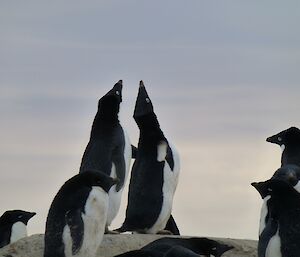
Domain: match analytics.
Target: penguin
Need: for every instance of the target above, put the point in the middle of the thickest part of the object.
(289, 141)
(77, 216)
(284, 210)
(154, 174)
(199, 245)
(180, 247)
(288, 173)
(109, 148)
(13, 226)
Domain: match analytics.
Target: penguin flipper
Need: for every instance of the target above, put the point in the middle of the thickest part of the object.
(133, 152)
(172, 226)
(76, 225)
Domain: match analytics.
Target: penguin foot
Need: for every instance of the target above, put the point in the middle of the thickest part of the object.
(164, 232)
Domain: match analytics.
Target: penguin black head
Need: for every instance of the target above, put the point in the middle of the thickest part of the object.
(144, 114)
(289, 173)
(209, 247)
(262, 188)
(13, 216)
(143, 104)
(97, 178)
(109, 104)
(286, 137)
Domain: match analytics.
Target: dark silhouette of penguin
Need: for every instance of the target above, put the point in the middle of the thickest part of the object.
(199, 245)
(109, 148)
(180, 247)
(154, 174)
(13, 226)
(77, 216)
(284, 211)
(289, 141)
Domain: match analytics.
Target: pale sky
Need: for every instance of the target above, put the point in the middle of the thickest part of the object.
(222, 75)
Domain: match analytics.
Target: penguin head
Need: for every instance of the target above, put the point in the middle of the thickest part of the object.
(109, 104)
(261, 188)
(143, 112)
(289, 173)
(98, 178)
(286, 137)
(13, 216)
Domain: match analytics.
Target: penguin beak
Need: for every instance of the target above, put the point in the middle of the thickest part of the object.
(31, 214)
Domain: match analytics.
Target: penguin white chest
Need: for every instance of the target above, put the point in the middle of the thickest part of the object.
(94, 220)
(263, 214)
(18, 231)
(114, 195)
(170, 180)
(274, 245)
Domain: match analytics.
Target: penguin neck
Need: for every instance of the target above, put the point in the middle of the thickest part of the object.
(291, 155)
(149, 128)
(103, 121)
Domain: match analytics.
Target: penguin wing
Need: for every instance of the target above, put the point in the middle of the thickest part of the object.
(133, 152)
(4, 237)
(119, 162)
(76, 225)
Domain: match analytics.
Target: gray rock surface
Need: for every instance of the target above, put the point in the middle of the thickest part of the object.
(115, 244)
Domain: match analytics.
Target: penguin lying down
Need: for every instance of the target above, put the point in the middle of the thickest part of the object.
(13, 226)
(180, 247)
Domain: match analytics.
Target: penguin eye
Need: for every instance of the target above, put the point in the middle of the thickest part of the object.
(279, 139)
(117, 92)
(20, 216)
(214, 248)
(147, 100)
(270, 189)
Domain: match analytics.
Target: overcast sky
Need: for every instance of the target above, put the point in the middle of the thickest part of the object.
(222, 75)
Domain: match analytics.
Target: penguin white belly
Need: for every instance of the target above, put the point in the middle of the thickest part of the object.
(169, 186)
(18, 231)
(274, 245)
(114, 196)
(94, 220)
(297, 187)
(263, 214)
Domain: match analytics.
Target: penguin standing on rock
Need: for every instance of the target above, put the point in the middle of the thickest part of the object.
(13, 226)
(284, 211)
(154, 173)
(77, 216)
(289, 141)
(109, 149)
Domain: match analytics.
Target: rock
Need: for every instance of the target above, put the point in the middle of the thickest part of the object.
(115, 244)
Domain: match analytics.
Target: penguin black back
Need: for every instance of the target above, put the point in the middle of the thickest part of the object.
(289, 140)
(7, 222)
(70, 198)
(199, 245)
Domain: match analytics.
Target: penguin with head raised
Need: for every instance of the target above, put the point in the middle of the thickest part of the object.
(154, 174)
(285, 211)
(13, 226)
(289, 141)
(77, 216)
(198, 245)
(109, 148)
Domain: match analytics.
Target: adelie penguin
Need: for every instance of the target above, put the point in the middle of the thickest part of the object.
(154, 174)
(77, 216)
(289, 141)
(283, 240)
(13, 226)
(109, 149)
(180, 247)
